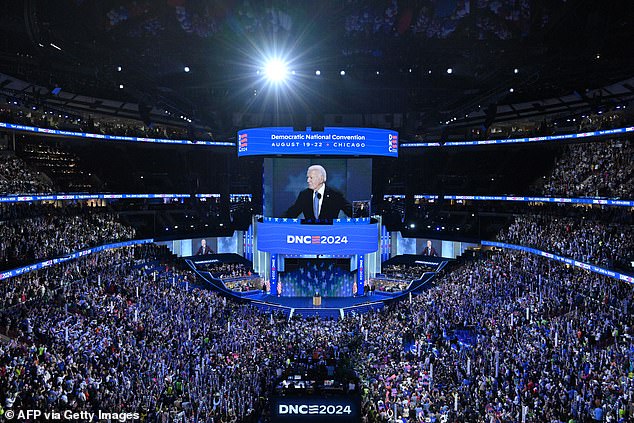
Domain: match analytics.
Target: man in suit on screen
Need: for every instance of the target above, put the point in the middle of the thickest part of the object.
(204, 248)
(319, 201)
(430, 250)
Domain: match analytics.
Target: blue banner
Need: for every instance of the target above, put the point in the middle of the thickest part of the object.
(275, 288)
(582, 135)
(596, 269)
(103, 137)
(360, 274)
(72, 256)
(294, 238)
(598, 201)
(386, 244)
(248, 243)
(70, 197)
(332, 141)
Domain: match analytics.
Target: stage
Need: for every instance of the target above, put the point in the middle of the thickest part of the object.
(335, 307)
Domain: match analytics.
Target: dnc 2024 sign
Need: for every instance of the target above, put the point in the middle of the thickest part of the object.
(332, 141)
(294, 238)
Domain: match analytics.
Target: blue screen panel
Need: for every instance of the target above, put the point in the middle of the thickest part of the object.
(332, 142)
(296, 238)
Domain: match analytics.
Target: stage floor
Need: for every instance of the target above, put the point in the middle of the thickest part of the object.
(326, 302)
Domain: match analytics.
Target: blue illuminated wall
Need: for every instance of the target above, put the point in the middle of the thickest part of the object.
(318, 275)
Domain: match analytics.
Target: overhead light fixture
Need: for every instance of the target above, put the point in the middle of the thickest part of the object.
(275, 70)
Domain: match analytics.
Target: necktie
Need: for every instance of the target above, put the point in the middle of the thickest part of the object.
(316, 205)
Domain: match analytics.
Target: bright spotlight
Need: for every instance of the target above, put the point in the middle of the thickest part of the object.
(342, 73)
(449, 71)
(317, 72)
(275, 70)
(186, 69)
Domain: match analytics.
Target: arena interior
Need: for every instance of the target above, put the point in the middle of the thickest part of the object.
(335, 211)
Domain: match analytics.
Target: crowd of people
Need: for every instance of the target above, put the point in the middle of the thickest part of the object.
(130, 339)
(40, 284)
(550, 343)
(16, 177)
(229, 270)
(554, 340)
(395, 278)
(51, 235)
(245, 284)
(386, 285)
(236, 276)
(404, 272)
(610, 245)
(123, 127)
(594, 169)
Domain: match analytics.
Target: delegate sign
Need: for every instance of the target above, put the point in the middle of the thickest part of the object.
(332, 142)
(294, 238)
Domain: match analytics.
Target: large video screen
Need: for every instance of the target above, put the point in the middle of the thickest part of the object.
(331, 141)
(285, 178)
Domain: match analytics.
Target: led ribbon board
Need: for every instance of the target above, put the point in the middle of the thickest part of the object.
(103, 137)
(600, 201)
(330, 142)
(295, 238)
(70, 197)
(563, 137)
(77, 254)
(596, 269)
